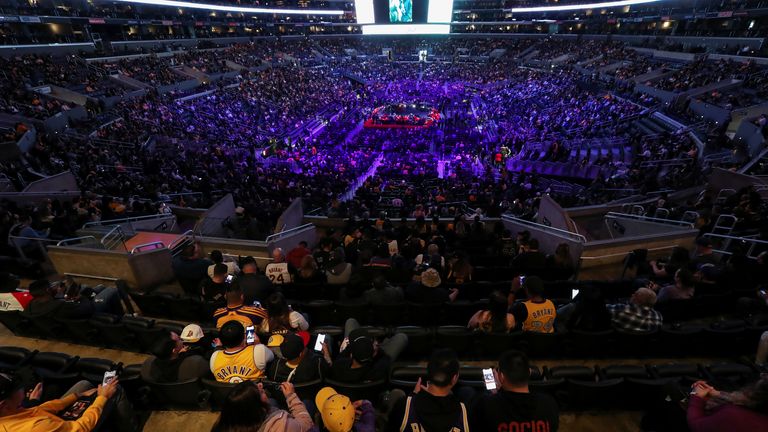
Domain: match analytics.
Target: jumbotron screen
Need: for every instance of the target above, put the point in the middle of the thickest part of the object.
(394, 17)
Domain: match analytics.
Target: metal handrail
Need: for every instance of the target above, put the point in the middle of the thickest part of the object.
(660, 248)
(66, 242)
(728, 239)
(178, 240)
(138, 248)
(574, 236)
(107, 240)
(124, 220)
(281, 234)
(649, 219)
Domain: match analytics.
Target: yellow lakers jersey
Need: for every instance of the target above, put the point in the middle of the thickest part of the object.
(247, 364)
(541, 317)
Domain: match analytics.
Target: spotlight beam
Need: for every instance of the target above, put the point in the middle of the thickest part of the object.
(213, 7)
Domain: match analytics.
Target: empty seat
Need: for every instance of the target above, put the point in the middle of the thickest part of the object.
(18, 324)
(427, 315)
(389, 315)
(419, 341)
(219, 391)
(12, 358)
(457, 338)
(405, 377)
(542, 345)
(491, 345)
(358, 311)
(182, 395)
(93, 369)
(356, 391)
(321, 312)
(597, 344)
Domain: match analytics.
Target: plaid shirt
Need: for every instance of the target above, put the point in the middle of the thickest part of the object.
(634, 318)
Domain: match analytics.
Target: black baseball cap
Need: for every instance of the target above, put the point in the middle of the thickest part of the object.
(362, 349)
(292, 346)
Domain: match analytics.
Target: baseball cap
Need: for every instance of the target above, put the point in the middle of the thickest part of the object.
(362, 349)
(192, 333)
(430, 278)
(336, 410)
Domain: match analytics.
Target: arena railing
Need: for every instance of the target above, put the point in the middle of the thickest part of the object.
(130, 221)
(678, 223)
(723, 242)
(557, 231)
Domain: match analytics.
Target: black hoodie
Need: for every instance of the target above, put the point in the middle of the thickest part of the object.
(435, 413)
(510, 411)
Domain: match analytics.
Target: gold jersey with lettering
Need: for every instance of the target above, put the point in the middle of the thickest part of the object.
(246, 364)
(541, 317)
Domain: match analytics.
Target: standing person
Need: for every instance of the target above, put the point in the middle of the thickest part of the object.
(432, 406)
(514, 407)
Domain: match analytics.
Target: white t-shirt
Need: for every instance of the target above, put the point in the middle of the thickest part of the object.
(278, 273)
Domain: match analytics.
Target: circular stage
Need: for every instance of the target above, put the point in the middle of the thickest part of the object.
(402, 115)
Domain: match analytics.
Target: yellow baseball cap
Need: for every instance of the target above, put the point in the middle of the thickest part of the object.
(336, 410)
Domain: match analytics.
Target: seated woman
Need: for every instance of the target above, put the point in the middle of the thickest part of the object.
(308, 272)
(665, 269)
(247, 408)
(280, 317)
(743, 410)
(495, 319)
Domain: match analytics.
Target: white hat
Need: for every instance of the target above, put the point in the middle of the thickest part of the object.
(192, 333)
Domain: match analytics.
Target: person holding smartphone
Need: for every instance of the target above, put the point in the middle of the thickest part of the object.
(297, 363)
(433, 406)
(512, 406)
(101, 402)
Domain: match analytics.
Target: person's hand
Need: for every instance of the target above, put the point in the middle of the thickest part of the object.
(37, 392)
(358, 404)
(326, 351)
(108, 390)
(703, 390)
(417, 388)
(217, 342)
(287, 389)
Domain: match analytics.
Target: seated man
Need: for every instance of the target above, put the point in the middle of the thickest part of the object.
(433, 406)
(171, 362)
(513, 406)
(238, 361)
(213, 289)
(279, 271)
(682, 289)
(637, 316)
(238, 311)
(104, 401)
(362, 358)
(218, 258)
(297, 363)
(53, 303)
(536, 314)
(255, 286)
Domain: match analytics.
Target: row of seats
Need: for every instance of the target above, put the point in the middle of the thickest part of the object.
(719, 339)
(575, 387)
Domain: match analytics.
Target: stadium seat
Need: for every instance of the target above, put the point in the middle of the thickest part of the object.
(427, 315)
(391, 315)
(542, 345)
(358, 311)
(12, 358)
(597, 344)
(93, 369)
(179, 395)
(218, 391)
(18, 324)
(457, 338)
(405, 377)
(595, 395)
(491, 345)
(420, 341)
(366, 390)
(320, 312)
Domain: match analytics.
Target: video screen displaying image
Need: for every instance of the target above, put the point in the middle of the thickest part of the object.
(400, 11)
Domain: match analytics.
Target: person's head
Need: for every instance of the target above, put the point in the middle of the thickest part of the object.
(249, 265)
(514, 370)
(684, 278)
(40, 288)
(308, 264)
(278, 256)
(336, 410)
(497, 305)
(232, 334)
(235, 297)
(563, 252)
(533, 245)
(244, 409)
(430, 278)
(362, 349)
(292, 348)
(443, 368)
(220, 273)
(643, 297)
(303, 245)
(217, 257)
(534, 286)
(679, 254)
(168, 347)
(11, 394)
(433, 249)
(276, 305)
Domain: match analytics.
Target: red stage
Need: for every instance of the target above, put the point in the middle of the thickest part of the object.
(403, 116)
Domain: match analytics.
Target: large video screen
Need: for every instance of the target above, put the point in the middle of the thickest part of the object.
(393, 17)
(400, 11)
